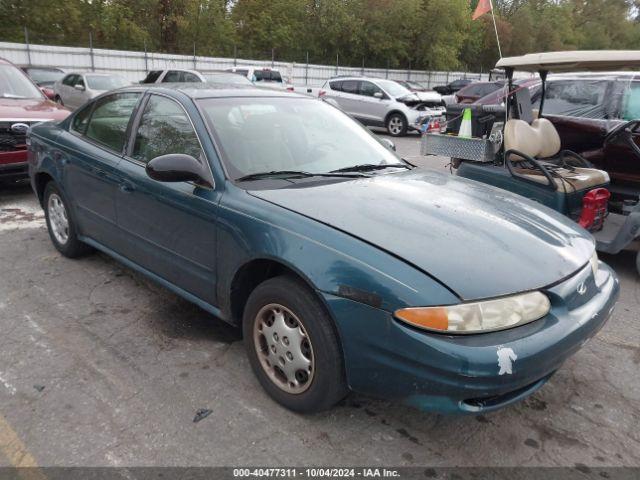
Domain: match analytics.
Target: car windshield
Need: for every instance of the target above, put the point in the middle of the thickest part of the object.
(293, 134)
(105, 82)
(45, 75)
(227, 79)
(15, 84)
(393, 88)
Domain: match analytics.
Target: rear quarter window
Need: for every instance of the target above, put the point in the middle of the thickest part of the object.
(336, 86)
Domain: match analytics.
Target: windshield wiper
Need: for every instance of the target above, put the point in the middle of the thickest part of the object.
(366, 167)
(288, 174)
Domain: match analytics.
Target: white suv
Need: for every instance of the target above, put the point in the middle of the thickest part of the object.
(377, 102)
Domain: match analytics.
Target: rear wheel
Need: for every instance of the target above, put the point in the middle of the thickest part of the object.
(60, 223)
(396, 125)
(293, 347)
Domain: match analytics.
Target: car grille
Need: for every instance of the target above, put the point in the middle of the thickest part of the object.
(11, 141)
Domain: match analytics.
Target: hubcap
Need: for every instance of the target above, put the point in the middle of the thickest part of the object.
(284, 348)
(58, 219)
(395, 125)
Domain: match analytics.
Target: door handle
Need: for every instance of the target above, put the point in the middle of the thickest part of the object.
(126, 187)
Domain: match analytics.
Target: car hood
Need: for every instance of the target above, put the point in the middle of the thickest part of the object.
(12, 109)
(429, 96)
(479, 241)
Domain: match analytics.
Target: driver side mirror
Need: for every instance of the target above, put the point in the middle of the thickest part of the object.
(176, 167)
(378, 95)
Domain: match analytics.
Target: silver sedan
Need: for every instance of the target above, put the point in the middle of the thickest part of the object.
(74, 89)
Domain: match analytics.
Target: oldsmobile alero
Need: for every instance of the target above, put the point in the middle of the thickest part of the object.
(347, 267)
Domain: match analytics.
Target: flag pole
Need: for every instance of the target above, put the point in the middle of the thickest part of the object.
(495, 27)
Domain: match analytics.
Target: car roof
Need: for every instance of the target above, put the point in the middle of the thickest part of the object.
(42, 67)
(98, 74)
(199, 90)
(361, 77)
(175, 70)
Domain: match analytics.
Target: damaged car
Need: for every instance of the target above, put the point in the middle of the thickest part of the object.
(347, 268)
(377, 102)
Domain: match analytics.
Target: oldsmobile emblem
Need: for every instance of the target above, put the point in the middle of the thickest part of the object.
(582, 289)
(19, 128)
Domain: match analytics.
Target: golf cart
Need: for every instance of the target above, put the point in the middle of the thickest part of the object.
(516, 148)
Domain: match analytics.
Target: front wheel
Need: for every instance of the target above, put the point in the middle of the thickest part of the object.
(397, 125)
(292, 346)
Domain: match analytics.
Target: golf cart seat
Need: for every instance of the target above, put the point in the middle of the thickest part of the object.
(530, 147)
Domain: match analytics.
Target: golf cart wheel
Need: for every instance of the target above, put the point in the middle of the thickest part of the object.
(397, 125)
(292, 346)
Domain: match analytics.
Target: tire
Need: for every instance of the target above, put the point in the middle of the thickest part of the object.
(60, 223)
(397, 125)
(320, 382)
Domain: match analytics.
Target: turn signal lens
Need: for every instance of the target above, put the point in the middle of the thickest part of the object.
(477, 317)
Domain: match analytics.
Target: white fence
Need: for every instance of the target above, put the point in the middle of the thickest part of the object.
(135, 65)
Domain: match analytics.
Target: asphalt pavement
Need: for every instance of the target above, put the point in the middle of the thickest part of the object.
(101, 367)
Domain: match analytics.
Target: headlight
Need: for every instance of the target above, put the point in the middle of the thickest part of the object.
(594, 262)
(477, 317)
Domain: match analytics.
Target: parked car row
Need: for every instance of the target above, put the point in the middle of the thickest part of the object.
(262, 76)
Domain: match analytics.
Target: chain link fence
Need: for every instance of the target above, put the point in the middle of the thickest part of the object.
(134, 65)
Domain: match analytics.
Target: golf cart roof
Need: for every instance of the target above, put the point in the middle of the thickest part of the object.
(573, 61)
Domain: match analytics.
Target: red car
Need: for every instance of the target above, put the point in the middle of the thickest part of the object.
(22, 104)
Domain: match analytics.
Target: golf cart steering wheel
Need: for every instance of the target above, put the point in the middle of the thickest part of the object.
(626, 132)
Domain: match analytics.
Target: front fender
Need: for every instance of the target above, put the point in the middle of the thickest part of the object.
(331, 261)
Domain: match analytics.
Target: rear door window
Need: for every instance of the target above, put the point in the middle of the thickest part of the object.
(173, 76)
(110, 118)
(189, 77)
(351, 86)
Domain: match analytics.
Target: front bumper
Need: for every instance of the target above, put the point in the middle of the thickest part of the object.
(461, 374)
